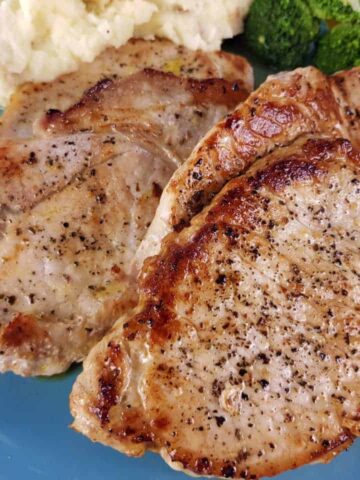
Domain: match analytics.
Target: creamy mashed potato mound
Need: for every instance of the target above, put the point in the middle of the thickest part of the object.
(355, 4)
(40, 40)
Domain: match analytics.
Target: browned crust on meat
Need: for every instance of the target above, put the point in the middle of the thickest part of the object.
(231, 469)
(9, 167)
(234, 211)
(238, 205)
(91, 95)
(283, 108)
(213, 91)
(30, 100)
(110, 382)
(330, 448)
(209, 90)
(23, 330)
(36, 169)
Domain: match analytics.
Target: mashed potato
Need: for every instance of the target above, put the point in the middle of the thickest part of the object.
(355, 4)
(40, 40)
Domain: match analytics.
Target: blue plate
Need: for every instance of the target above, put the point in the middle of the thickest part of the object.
(37, 444)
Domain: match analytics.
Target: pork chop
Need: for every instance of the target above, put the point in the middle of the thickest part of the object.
(242, 357)
(76, 204)
(286, 106)
(151, 104)
(31, 100)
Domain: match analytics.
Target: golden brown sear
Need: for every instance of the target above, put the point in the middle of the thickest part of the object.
(286, 106)
(31, 100)
(77, 198)
(242, 357)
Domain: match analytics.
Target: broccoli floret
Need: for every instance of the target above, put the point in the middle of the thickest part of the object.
(339, 49)
(281, 31)
(339, 10)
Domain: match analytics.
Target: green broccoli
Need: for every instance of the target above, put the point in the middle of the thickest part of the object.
(339, 49)
(281, 31)
(339, 10)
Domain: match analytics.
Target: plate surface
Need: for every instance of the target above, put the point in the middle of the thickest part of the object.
(37, 444)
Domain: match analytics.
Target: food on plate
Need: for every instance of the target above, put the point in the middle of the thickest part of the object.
(41, 40)
(286, 33)
(340, 48)
(211, 272)
(282, 108)
(155, 107)
(285, 108)
(338, 10)
(281, 31)
(241, 359)
(76, 201)
(30, 100)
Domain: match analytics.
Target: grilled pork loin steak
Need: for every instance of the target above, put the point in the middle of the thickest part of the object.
(242, 357)
(31, 100)
(76, 201)
(286, 106)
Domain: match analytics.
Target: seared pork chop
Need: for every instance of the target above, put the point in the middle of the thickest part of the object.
(285, 106)
(76, 204)
(242, 357)
(31, 100)
(149, 104)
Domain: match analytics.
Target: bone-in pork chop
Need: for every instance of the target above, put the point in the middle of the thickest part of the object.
(76, 204)
(242, 357)
(30, 100)
(285, 106)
